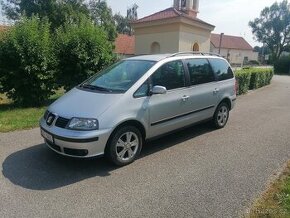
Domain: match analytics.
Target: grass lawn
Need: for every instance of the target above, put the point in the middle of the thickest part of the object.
(15, 118)
(12, 119)
(275, 202)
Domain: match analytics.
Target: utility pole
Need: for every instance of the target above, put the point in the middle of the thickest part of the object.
(263, 54)
(221, 40)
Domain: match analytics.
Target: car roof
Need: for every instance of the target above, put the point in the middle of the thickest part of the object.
(159, 57)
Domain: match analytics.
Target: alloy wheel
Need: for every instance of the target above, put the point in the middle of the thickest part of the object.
(127, 146)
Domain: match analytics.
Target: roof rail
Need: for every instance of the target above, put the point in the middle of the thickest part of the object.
(194, 53)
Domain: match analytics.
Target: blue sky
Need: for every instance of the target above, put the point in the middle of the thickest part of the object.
(229, 16)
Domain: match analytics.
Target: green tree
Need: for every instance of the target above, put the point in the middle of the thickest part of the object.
(27, 62)
(287, 49)
(102, 15)
(82, 49)
(57, 11)
(122, 24)
(273, 27)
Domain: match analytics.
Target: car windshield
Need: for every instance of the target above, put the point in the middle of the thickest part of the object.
(120, 77)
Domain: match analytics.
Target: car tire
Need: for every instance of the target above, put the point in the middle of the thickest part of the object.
(221, 115)
(124, 145)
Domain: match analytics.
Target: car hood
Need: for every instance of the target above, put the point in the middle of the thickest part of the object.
(82, 103)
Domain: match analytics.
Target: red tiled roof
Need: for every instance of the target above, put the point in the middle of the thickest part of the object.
(230, 42)
(125, 44)
(167, 14)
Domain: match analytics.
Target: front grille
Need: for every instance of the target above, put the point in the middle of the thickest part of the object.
(61, 122)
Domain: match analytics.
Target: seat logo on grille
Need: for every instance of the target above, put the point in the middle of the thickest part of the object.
(50, 119)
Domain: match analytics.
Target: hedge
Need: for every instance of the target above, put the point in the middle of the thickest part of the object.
(253, 78)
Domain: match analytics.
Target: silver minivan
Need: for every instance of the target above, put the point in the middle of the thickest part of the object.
(136, 99)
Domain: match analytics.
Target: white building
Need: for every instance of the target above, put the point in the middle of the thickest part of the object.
(234, 48)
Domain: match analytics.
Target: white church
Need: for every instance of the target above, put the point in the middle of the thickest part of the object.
(172, 30)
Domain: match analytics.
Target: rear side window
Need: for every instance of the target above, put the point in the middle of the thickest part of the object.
(200, 71)
(222, 69)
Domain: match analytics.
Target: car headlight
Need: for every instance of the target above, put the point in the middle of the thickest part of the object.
(83, 124)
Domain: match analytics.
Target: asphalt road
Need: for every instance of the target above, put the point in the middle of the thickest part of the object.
(199, 172)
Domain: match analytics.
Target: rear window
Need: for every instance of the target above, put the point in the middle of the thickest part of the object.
(222, 69)
(199, 71)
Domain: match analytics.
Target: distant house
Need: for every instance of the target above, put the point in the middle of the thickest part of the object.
(125, 46)
(234, 48)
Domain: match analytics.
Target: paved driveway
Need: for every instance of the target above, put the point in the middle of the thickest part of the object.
(198, 172)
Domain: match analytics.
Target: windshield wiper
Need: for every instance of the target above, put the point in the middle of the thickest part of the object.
(92, 87)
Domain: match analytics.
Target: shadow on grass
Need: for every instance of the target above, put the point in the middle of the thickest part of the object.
(12, 106)
(38, 168)
(6, 104)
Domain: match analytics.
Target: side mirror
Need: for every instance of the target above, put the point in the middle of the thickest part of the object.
(159, 90)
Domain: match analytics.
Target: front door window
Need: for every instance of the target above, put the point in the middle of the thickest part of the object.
(171, 75)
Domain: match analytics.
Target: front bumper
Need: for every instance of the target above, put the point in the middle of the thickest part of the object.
(233, 102)
(81, 144)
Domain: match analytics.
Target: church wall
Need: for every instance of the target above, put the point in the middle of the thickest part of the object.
(187, 40)
(157, 27)
(168, 42)
(167, 35)
(191, 35)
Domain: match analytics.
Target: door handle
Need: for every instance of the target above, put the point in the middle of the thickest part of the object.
(185, 98)
(216, 91)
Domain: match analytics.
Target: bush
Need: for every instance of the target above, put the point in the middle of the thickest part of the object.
(82, 49)
(243, 78)
(282, 66)
(253, 78)
(27, 62)
(260, 77)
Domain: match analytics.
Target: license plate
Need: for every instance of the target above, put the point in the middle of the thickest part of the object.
(47, 136)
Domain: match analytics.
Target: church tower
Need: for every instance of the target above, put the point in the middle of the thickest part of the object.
(188, 6)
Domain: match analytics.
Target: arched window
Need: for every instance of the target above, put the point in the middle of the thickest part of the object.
(155, 48)
(195, 47)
